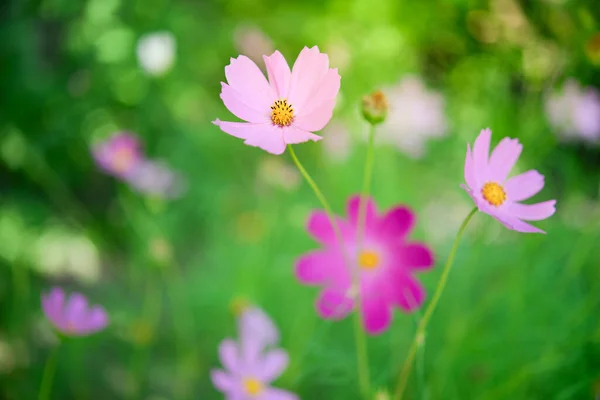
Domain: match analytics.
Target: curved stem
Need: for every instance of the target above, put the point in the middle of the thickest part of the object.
(48, 376)
(422, 328)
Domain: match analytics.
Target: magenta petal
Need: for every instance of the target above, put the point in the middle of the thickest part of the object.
(97, 319)
(417, 256)
(408, 293)
(248, 80)
(293, 135)
(334, 304)
(370, 212)
(222, 380)
(532, 212)
(235, 103)
(53, 306)
(279, 73)
(229, 355)
(481, 151)
(272, 365)
(396, 224)
(377, 314)
(75, 312)
(320, 229)
(523, 186)
(278, 394)
(316, 267)
(470, 169)
(503, 159)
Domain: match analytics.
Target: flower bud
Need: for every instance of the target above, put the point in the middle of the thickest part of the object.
(375, 107)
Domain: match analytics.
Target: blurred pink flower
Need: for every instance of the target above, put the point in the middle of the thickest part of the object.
(73, 316)
(252, 42)
(286, 109)
(156, 178)
(415, 115)
(386, 265)
(575, 112)
(487, 184)
(249, 367)
(119, 154)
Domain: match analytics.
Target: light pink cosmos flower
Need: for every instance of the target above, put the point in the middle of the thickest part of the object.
(249, 366)
(286, 109)
(73, 316)
(386, 264)
(494, 194)
(119, 155)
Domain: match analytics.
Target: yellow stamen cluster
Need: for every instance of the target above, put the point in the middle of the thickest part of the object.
(493, 193)
(368, 260)
(252, 386)
(282, 113)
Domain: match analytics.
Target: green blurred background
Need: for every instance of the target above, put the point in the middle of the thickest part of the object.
(520, 318)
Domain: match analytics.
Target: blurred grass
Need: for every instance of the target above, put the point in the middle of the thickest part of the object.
(519, 319)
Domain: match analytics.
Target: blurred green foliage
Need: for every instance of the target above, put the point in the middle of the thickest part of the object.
(519, 319)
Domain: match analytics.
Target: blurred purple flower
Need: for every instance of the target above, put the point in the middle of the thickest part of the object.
(256, 329)
(415, 115)
(575, 112)
(119, 155)
(156, 178)
(73, 316)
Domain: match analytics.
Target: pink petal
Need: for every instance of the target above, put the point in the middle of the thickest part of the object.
(327, 90)
(396, 224)
(97, 319)
(370, 212)
(417, 256)
(265, 136)
(316, 119)
(317, 267)
(523, 186)
(470, 169)
(308, 71)
(229, 356)
(75, 311)
(256, 331)
(53, 306)
(333, 303)
(222, 380)
(278, 394)
(319, 227)
(377, 314)
(481, 151)
(235, 103)
(293, 135)
(407, 293)
(503, 159)
(532, 212)
(516, 224)
(247, 79)
(279, 74)
(272, 365)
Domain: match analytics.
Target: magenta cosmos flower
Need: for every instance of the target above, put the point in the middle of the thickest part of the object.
(494, 194)
(73, 316)
(119, 155)
(249, 366)
(286, 109)
(386, 264)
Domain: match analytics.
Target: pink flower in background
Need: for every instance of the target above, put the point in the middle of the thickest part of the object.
(575, 112)
(415, 116)
(156, 178)
(386, 264)
(286, 109)
(119, 155)
(494, 194)
(73, 316)
(252, 42)
(250, 368)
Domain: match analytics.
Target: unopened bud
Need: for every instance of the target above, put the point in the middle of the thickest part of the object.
(375, 107)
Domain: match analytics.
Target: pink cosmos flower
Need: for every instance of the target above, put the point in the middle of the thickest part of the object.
(494, 194)
(386, 264)
(73, 316)
(249, 366)
(286, 109)
(119, 155)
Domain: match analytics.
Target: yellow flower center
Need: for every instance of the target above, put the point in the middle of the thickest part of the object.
(252, 386)
(493, 193)
(123, 160)
(368, 260)
(282, 113)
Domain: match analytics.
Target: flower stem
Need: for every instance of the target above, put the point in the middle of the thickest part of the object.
(359, 333)
(48, 375)
(419, 338)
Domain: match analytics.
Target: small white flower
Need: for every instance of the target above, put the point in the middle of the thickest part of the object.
(156, 52)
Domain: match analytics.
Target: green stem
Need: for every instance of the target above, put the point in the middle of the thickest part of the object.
(419, 338)
(48, 376)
